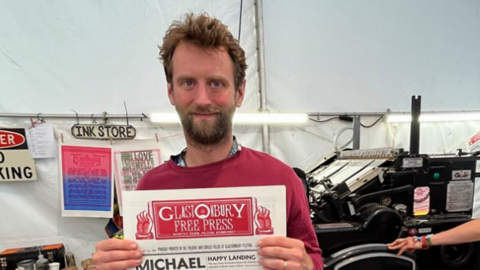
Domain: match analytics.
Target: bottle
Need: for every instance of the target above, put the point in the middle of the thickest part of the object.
(42, 263)
(70, 259)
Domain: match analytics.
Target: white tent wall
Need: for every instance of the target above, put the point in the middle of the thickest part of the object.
(94, 55)
(91, 56)
(370, 56)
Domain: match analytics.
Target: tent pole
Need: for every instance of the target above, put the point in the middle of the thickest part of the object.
(261, 72)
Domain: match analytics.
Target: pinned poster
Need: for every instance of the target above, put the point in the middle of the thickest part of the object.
(421, 201)
(86, 179)
(16, 164)
(132, 160)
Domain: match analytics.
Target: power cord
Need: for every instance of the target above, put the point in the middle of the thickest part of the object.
(323, 121)
(374, 123)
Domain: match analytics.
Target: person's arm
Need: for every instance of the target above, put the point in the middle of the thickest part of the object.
(116, 254)
(467, 232)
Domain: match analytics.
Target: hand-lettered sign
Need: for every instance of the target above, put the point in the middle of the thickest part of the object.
(103, 132)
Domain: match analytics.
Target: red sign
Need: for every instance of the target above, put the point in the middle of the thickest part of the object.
(475, 138)
(202, 218)
(16, 163)
(9, 139)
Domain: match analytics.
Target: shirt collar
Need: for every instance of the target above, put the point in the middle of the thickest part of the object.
(180, 158)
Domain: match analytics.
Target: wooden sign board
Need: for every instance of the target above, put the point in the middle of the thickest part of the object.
(103, 132)
(16, 164)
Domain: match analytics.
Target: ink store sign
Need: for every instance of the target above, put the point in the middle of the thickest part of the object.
(104, 132)
(16, 164)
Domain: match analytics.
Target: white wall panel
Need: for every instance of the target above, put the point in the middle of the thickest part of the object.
(372, 55)
(91, 56)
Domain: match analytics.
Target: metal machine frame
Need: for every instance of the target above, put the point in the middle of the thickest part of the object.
(361, 197)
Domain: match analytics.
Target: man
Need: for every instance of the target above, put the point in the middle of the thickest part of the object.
(205, 72)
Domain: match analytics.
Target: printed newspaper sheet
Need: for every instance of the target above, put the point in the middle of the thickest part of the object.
(215, 228)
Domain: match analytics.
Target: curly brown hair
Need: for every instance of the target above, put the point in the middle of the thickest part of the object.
(206, 32)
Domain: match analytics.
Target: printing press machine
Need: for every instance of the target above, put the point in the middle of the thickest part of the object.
(362, 199)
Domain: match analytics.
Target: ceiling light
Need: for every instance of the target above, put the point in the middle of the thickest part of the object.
(434, 117)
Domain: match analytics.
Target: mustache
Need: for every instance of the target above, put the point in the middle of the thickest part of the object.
(204, 110)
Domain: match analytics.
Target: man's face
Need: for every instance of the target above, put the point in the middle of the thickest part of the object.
(203, 92)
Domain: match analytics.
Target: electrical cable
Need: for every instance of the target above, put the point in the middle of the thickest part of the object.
(374, 123)
(335, 139)
(322, 121)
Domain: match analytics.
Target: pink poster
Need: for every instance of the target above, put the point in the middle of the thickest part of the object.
(87, 178)
(421, 201)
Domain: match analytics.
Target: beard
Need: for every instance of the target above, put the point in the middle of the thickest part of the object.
(207, 132)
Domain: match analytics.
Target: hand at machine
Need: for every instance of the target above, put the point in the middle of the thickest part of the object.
(409, 244)
(283, 253)
(116, 254)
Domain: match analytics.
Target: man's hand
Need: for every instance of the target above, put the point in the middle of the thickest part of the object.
(283, 253)
(116, 254)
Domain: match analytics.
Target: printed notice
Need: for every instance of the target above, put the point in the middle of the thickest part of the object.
(41, 141)
(87, 182)
(215, 228)
(459, 196)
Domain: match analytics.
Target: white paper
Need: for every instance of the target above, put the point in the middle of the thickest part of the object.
(216, 228)
(41, 141)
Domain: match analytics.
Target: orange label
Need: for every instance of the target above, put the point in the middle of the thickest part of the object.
(10, 251)
(54, 246)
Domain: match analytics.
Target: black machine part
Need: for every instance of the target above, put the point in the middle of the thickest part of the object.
(377, 256)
